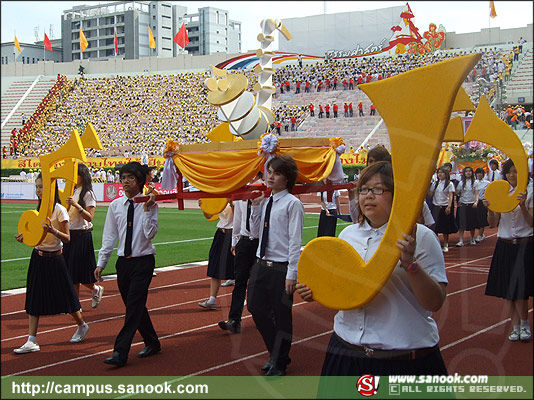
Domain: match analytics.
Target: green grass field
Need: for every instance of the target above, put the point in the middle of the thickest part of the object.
(184, 236)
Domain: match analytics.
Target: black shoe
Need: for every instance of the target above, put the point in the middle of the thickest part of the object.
(115, 360)
(148, 351)
(267, 366)
(230, 325)
(275, 371)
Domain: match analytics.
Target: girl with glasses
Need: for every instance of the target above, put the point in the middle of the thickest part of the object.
(394, 333)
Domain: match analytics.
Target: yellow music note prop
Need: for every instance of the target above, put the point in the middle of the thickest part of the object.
(30, 222)
(416, 108)
(487, 127)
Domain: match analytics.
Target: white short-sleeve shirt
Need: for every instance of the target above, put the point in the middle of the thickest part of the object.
(393, 319)
(77, 222)
(51, 242)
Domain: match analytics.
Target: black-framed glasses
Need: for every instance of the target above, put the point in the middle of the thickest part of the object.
(376, 190)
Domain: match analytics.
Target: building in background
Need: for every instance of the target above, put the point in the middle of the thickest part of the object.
(31, 53)
(210, 30)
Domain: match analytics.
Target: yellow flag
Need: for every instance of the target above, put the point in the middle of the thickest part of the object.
(493, 13)
(17, 45)
(151, 39)
(83, 41)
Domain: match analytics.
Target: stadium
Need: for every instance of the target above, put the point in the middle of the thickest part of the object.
(136, 106)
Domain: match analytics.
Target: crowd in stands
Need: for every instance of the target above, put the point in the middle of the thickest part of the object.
(137, 114)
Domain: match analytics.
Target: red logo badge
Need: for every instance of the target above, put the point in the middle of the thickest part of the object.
(367, 385)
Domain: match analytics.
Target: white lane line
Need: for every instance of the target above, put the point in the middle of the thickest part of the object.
(133, 344)
(448, 346)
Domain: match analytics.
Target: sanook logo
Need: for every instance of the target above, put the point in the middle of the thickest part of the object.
(367, 385)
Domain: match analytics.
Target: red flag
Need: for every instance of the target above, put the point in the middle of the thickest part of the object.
(47, 44)
(116, 43)
(181, 37)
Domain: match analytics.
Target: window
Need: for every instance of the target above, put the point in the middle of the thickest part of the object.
(153, 17)
(33, 60)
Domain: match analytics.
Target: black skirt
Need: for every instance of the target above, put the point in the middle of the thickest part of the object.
(341, 360)
(510, 275)
(79, 255)
(49, 289)
(466, 217)
(221, 259)
(327, 224)
(482, 215)
(444, 223)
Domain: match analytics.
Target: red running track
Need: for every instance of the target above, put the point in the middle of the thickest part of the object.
(473, 329)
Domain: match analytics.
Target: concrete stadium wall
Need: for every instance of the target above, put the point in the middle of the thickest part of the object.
(488, 37)
(116, 66)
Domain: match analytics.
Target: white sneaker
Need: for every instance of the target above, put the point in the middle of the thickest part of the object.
(479, 238)
(28, 347)
(97, 296)
(229, 282)
(208, 306)
(472, 242)
(445, 248)
(524, 334)
(80, 333)
(460, 244)
(482, 238)
(514, 336)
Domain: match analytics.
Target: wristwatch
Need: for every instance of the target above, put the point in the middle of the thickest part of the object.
(413, 267)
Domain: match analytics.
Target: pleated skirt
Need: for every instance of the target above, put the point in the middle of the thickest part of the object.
(221, 259)
(482, 215)
(444, 223)
(343, 361)
(79, 255)
(510, 275)
(49, 289)
(466, 217)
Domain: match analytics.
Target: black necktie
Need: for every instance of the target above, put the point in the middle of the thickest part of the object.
(249, 205)
(265, 235)
(129, 229)
(492, 176)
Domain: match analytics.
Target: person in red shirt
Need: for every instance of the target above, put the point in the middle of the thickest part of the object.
(379, 77)
(282, 88)
(320, 111)
(360, 109)
(345, 84)
(351, 83)
(327, 84)
(335, 83)
(373, 110)
(368, 78)
(293, 123)
(312, 113)
(4, 152)
(298, 87)
(307, 87)
(351, 111)
(288, 86)
(327, 109)
(346, 109)
(360, 80)
(319, 85)
(278, 127)
(335, 107)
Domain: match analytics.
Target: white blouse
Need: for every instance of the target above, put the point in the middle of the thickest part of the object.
(467, 193)
(441, 194)
(77, 222)
(513, 224)
(51, 242)
(393, 319)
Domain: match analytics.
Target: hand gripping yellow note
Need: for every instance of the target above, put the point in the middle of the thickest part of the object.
(416, 108)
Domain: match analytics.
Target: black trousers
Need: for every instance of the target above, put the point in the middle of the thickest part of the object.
(245, 257)
(270, 307)
(133, 278)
